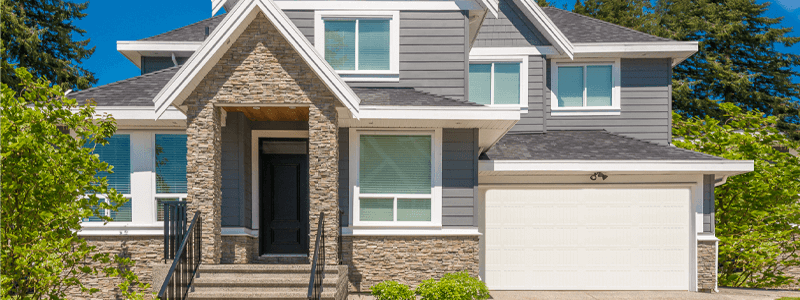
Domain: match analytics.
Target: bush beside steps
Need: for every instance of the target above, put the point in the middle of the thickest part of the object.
(452, 286)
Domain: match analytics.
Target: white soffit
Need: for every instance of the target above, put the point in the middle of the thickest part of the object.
(678, 51)
(721, 167)
(226, 33)
(546, 26)
(134, 50)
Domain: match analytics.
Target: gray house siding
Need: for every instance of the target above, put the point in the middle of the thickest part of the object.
(155, 63)
(459, 176)
(344, 176)
(533, 120)
(236, 207)
(511, 28)
(304, 20)
(645, 103)
(708, 202)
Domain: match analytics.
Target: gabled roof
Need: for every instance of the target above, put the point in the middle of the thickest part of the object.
(404, 96)
(585, 145)
(195, 32)
(134, 91)
(582, 29)
(218, 42)
(546, 26)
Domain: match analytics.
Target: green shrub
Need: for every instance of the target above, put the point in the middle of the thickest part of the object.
(392, 290)
(453, 286)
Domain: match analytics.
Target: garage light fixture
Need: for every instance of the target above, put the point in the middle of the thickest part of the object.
(598, 174)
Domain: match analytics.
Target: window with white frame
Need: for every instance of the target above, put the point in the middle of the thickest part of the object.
(585, 86)
(359, 43)
(395, 179)
(498, 80)
(116, 153)
(170, 166)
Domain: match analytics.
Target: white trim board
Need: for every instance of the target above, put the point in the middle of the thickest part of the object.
(381, 5)
(138, 113)
(719, 167)
(111, 229)
(239, 231)
(225, 35)
(546, 26)
(677, 50)
(134, 50)
(254, 136)
(444, 231)
(498, 113)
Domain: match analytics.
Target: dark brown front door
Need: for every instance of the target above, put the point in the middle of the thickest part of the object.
(284, 196)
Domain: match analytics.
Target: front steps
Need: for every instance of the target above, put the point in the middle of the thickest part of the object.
(261, 281)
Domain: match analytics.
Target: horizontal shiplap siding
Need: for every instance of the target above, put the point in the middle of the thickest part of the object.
(645, 106)
(510, 29)
(533, 120)
(433, 50)
(304, 20)
(344, 176)
(459, 176)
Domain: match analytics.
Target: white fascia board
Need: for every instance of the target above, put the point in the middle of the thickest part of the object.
(226, 33)
(678, 51)
(440, 113)
(216, 5)
(728, 167)
(502, 51)
(377, 5)
(134, 50)
(139, 113)
(546, 26)
(493, 6)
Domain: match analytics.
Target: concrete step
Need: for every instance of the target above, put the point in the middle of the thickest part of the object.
(262, 280)
(263, 268)
(257, 293)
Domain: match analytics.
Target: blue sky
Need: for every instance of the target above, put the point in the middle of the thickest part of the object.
(111, 21)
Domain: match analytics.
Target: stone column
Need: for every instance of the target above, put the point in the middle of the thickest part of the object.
(204, 174)
(706, 266)
(323, 164)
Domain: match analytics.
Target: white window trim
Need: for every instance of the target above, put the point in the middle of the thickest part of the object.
(391, 75)
(612, 110)
(523, 76)
(436, 178)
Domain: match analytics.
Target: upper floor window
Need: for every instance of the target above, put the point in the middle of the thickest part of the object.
(498, 81)
(360, 46)
(116, 153)
(585, 87)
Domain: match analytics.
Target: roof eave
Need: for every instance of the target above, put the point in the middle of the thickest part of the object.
(533, 167)
(546, 26)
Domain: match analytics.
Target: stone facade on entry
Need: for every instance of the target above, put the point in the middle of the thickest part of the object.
(261, 68)
(407, 259)
(706, 266)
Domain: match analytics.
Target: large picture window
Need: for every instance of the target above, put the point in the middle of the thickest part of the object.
(116, 153)
(396, 179)
(585, 87)
(170, 152)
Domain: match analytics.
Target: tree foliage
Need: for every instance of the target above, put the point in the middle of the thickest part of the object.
(49, 183)
(38, 35)
(756, 212)
(737, 61)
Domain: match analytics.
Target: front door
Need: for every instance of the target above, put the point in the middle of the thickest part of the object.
(284, 196)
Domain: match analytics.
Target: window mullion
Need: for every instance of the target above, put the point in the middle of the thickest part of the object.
(358, 36)
(394, 211)
(585, 88)
(491, 84)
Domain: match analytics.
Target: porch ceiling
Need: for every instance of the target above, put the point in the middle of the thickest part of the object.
(266, 113)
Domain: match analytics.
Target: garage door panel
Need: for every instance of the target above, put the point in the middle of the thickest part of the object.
(587, 239)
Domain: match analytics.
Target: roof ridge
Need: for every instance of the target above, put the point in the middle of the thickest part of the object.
(127, 79)
(661, 145)
(612, 24)
(195, 23)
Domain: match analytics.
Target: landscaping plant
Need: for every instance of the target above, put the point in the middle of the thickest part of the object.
(49, 183)
(392, 290)
(453, 286)
(757, 212)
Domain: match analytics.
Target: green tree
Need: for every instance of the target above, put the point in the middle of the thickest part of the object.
(544, 3)
(737, 61)
(634, 14)
(49, 181)
(755, 212)
(38, 35)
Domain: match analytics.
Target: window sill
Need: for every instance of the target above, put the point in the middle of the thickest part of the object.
(566, 112)
(121, 229)
(430, 231)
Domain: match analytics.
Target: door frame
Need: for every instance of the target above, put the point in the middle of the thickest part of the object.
(254, 165)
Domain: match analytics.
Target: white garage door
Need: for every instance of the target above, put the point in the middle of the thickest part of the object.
(587, 239)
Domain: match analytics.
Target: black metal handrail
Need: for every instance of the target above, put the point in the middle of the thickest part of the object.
(318, 262)
(174, 227)
(187, 260)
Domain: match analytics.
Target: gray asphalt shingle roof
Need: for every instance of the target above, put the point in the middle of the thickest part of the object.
(190, 33)
(585, 145)
(582, 29)
(405, 97)
(135, 91)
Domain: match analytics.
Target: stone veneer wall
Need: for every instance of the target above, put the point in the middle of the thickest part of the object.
(407, 259)
(261, 67)
(239, 249)
(146, 251)
(706, 266)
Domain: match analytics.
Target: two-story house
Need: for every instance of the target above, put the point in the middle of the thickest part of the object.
(527, 145)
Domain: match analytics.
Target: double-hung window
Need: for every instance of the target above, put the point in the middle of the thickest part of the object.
(585, 87)
(116, 153)
(498, 81)
(170, 160)
(359, 45)
(396, 180)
